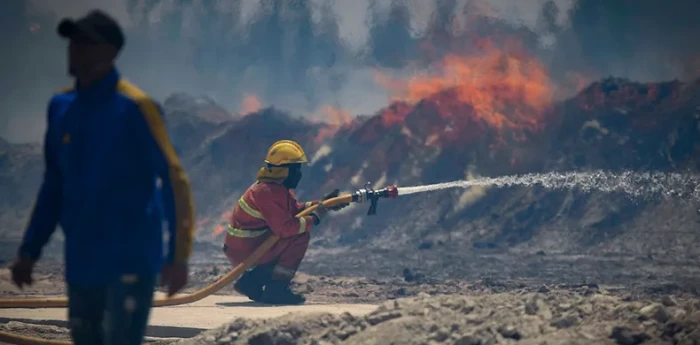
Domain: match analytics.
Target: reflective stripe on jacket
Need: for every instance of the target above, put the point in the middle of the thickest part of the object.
(267, 205)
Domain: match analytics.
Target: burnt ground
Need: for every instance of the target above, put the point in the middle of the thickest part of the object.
(354, 275)
(468, 297)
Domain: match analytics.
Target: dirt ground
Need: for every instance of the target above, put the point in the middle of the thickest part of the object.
(457, 312)
(581, 316)
(553, 300)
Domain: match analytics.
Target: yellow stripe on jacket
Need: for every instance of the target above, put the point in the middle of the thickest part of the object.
(184, 205)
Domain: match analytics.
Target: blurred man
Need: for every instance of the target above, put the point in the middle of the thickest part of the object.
(108, 163)
(269, 207)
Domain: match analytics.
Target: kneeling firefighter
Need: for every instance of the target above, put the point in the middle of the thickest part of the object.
(269, 207)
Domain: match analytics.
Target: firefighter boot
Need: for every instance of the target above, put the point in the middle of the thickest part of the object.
(279, 292)
(252, 282)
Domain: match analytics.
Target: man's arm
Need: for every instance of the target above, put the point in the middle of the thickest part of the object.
(333, 194)
(176, 193)
(46, 211)
(281, 220)
(300, 206)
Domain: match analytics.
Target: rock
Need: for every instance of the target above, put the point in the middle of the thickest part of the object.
(677, 313)
(668, 301)
(467, 308)
(474, 319)
(586, 308)
(671, 329)
(624, 336)
(382, 317)
(441, 335)
(537, 306)
(543, 289)
(565, 322)
(346, 332)
(229, 339)
(567, 342)
(400, 292)
(510, 332)
(468, 340)
(627, 297)
(654, 311)
(267, 338)
(565, 306)
(690, 338)
(422, 295)
(531, 308)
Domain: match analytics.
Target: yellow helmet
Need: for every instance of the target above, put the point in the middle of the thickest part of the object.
(285, 152)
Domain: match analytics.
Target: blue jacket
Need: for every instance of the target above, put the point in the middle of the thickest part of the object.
(106, 150)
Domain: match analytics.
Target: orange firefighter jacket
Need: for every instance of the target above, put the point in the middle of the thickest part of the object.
(269, 206)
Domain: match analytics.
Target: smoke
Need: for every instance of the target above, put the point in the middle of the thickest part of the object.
(391, 43)
(303, 55)
(644, 40)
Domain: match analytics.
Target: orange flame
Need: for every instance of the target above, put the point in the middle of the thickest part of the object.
(505, 87)
(395, 113)
(251, 104)
(221, 226)
(334, 119)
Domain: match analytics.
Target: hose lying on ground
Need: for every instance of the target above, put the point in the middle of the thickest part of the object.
(62, 302)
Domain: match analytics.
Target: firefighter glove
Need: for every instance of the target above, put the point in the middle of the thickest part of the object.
(319, 213)
(334, 194)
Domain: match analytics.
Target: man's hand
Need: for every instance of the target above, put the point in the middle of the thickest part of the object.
(319, 213)
(22, 272)
(332, 195)
(321, 210)
(174, 275)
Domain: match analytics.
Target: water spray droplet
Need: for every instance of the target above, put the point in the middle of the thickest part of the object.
(639, 185)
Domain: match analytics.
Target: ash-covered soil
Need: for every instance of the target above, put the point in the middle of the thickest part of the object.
(351, 275)
(573, 316)
(460, 312)
(479, 297)
(60, 333)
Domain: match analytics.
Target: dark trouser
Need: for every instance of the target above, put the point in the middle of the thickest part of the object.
(112, 314)
(286, 254)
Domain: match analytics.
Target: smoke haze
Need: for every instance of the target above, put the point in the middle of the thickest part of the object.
(301, 55)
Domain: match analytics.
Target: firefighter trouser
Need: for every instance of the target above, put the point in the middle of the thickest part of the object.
(288, 252)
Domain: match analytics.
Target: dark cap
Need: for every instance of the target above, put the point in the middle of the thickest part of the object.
(96, 27)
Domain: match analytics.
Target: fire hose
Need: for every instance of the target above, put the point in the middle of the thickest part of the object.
(367, 194)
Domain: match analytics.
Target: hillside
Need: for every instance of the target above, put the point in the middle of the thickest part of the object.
(612, 124)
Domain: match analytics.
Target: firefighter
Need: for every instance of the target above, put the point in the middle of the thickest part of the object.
(269, 207)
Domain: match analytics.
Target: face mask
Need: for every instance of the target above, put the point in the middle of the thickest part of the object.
(293, 178)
